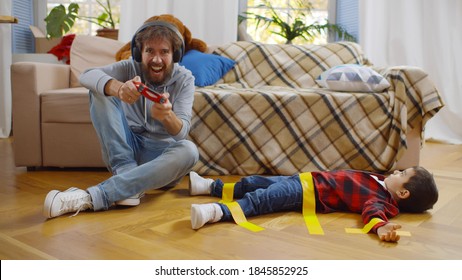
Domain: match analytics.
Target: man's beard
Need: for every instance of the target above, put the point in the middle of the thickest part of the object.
(155, 79)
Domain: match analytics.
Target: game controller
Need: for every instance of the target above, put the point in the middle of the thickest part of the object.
(149, 93)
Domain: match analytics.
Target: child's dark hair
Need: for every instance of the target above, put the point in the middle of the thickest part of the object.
(423, 192)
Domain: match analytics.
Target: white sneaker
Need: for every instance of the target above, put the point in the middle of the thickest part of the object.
(205, 213)
(71, 200)
(199, 185)
(133, 200)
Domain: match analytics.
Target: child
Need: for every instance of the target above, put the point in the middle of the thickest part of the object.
(371, 195)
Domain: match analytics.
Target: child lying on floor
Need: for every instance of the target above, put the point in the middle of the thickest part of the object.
(371, 195)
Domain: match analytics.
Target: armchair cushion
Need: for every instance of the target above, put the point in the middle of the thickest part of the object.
(91, 51)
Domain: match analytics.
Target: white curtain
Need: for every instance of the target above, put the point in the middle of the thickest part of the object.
(426, 34)
(213, 21)
(5, 62)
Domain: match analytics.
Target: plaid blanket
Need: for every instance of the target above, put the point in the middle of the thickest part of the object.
(260, 64)
(267, 115)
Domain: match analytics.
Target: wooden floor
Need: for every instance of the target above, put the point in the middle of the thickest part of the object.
(160, 227)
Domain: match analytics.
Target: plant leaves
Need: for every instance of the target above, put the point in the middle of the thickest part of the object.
(296, 25)
(59, 21)
(102, 18)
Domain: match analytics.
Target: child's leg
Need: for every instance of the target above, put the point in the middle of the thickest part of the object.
(247, 184)
(283, 195)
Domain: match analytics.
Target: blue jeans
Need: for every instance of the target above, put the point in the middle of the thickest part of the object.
(138, 163)
(258, 195)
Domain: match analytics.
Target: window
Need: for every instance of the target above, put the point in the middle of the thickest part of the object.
(287, 10)
(87, 8)
(340, 12)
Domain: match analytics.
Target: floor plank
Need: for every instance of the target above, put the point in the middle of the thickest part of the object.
(160, 227)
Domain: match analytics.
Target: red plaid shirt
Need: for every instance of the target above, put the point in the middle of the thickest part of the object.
(354, 191)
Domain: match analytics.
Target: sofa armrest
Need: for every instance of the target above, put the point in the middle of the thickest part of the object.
(417, 91)
(420, 94)
(28, 81)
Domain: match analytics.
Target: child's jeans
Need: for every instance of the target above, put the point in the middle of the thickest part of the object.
(259, 195)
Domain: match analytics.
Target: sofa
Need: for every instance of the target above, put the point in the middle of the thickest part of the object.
(266, 115)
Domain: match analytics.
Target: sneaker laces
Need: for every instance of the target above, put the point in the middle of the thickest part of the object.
(75, 202)
(83, 206)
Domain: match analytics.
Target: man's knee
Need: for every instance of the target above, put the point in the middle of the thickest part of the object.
(189, 151)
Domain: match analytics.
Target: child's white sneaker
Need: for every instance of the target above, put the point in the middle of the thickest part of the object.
(133, 200)
(199, 185)
(205, 213)
(71, 200)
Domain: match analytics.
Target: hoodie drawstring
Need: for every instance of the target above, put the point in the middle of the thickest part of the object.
(145, 103)
(145, 110)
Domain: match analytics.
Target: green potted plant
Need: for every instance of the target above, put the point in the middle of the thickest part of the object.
(60, 20)
(296, 26)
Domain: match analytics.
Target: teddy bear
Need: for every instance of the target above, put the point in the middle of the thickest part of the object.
(189, 42)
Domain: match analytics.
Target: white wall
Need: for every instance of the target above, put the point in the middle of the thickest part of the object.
(40, 13)
(213, 21)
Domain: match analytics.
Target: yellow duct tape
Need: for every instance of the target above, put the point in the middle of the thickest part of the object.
(239, 217)
(228, 192)
(309, 204)
(370, 225)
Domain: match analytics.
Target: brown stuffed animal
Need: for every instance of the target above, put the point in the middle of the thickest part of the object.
(189, 42)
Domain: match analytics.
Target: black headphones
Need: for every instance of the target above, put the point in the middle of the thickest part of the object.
(177, 55)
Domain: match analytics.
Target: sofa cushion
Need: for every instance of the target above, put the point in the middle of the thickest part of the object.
(206, 68)
(69, 105)
(352, 78)
(259, 64)
(70, 145)
(91, 51)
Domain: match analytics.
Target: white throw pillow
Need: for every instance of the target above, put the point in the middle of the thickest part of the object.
(352, 78)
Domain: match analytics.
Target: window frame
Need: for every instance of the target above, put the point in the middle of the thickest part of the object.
(338, 12)
(286, 9)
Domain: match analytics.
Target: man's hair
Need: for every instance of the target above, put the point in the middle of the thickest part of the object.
(159, 32)
(423, 192)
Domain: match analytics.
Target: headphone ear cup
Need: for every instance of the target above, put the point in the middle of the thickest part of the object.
(136, 54)
(177, 55)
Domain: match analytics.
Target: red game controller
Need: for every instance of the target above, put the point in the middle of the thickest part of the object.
(149, 93)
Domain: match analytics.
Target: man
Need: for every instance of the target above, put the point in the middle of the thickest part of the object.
(143, 142)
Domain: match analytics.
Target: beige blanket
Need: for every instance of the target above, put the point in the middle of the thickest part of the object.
(275, 129)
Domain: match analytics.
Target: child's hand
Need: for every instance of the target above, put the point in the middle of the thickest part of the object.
(388, 232)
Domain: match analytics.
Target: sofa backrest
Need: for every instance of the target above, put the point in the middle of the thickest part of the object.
(91, 51)
(259, 64)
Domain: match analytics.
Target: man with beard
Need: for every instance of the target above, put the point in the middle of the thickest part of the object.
(143, 142)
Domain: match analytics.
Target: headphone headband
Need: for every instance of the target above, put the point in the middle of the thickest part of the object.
(177, 54)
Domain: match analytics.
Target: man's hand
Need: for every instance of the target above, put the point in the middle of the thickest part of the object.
(388, 232)
(162, 111)
(127, 92)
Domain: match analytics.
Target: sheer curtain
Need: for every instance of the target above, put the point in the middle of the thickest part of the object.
(426, 34)
(5, 62)
(213, 21)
